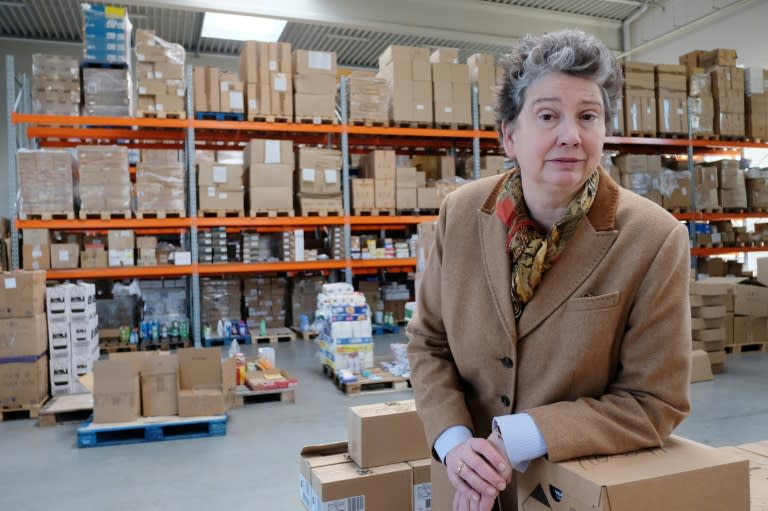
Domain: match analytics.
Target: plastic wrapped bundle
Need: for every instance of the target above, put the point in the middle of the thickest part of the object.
(46, 182)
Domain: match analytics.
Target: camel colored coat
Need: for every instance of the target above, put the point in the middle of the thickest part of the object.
(600, 357)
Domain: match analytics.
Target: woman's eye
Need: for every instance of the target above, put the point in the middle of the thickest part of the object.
(589, 117)
(546, 117)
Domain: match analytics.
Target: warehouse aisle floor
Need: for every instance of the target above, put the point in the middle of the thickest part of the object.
(255, 466)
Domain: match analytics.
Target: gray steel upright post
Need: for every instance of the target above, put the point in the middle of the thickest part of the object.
(189, 149)
(694, 199)
(475, 126)
(12, 211)
(345, 183)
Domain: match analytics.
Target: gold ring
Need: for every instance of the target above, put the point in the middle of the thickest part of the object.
(461, 466)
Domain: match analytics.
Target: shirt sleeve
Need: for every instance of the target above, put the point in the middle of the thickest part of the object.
(449, 439)
(522, 439)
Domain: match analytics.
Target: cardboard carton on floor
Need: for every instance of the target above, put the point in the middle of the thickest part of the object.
(421, 480)
(160, 384)
(206, 383)
(116, 394)
(347, 486)
(701, 369)
(312, 457)
(23, 380)
(680, 475)
(385, 433)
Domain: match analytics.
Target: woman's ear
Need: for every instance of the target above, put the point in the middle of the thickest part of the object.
(507, 140)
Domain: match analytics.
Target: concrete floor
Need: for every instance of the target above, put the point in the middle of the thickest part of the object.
(255, 466)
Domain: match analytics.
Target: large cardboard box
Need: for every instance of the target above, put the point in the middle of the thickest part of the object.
(421, 479)
(23, 381)
(701, 369)
(314, 456)
(363, 193)
(206, 383)
(65, 255)
(268, 151)
(160, 384)
(212, 199)
(116, 395)
(385, 433)
(346, 486)
(271, 198)
(750, 297)
(36, 257)
(225, 177)
(22, 293)
(680, 475)
(21, 337)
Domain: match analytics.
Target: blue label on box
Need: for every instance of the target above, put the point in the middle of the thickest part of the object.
(352, 340)
(349, 309)
(349, 317)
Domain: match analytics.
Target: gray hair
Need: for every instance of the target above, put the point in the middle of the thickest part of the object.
(572, 52)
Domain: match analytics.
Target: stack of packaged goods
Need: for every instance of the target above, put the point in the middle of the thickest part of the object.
(407, 182)
(220, 187)
(46, 183)
(363, 197)
(166, 309)
(105, 181)
(733, 190)
(675, 188)
(451, 89)
(409, 77)
(346, 338)
(702, 106)
(212, 245)
(55, 85)
(120, 247)
(258, 247)
(314, 85)
(492, 165)
(379, 165)
(94, 253)
(269, 175)
(106, 34)
(23, 347)
(671, 99)
(159, 77)
(757, 188)
(482, 71)
(336, 242)
(756, 103)
(218, 91)
(368, 99)
(73, 334)
(219, 301)
(727, 82)
(319, 180)
(641, 174)
(65, 250)
(707, 185)
(304, 300)
(710, 320)
(639, 99)
(146, 246)
(160, 184)
(264, 299)
(36, 249)
(266, 69)
(395, 297)
(107, 92)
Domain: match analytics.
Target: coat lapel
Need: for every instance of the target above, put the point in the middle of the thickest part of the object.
(496, 267)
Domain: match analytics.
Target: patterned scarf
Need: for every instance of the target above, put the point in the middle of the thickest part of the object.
(531, 252)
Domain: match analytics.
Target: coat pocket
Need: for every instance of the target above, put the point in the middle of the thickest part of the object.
(587, 303)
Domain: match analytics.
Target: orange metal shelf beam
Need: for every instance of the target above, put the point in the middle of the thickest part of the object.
(125, 272)
(714, 217)
(89, 225)
(383, 263)
(281, 266)
(84, 120)
(706, 252)
(681, 142)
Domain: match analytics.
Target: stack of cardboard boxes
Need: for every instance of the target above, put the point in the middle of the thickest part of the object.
(212, 245)
(379, 165)
(73, 334)
(160, 183)
(727, 83)
(711, 322)
(675, 188)
(120, 247)
(218, 91)
(707, 186)
(756, 102)
(36, 249)
(46, 183)
(159, 76)
(105, 181)
(482, 71)
(368, 99)
(702, 104)
(318, 179)
(304, 298)
(385, 465)
(220, 187)
(55, 85)
(147, 250)
(267, 71)
(265, 301)
(314, 85)
(451, 89)
(408, 73)
(639, 99)
(23, 347)
(733, 192)
(106, 34)
(219, 300)
(671, 99)
(407, 182)
(107, 92)
(756, 181)
(269, 175)
(641, 174)
(336, 248)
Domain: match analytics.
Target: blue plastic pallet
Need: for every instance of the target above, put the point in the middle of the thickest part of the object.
(380, 328)
(225, 341)
(219, 116)
(150, 430)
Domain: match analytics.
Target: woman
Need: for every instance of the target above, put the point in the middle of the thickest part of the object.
(553, 309)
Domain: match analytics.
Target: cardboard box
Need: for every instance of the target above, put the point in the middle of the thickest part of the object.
(680, 475)
(116, 396)
(406, 198)
(749, 295)
(211, 199)
(314, 456)
(381, 434)
(315, 105)
(226, 177)
(385, 488)
(22, 293)
(36, 257)
(314, 62)
(427, 198)
(701, 368)
(271, 198)
(23, 337)
(384, 193)
(93, 258)
(65, 255)
(260, 150)
(421, 479)
(160, 384)
(206, 383)
(363, 196)
(23, 381)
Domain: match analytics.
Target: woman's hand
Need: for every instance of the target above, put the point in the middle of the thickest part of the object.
(478, 471)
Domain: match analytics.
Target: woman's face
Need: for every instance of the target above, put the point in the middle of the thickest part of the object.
(558, 137)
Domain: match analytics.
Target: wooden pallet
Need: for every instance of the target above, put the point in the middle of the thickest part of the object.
(367, 386)
(369, 123)
(680, 211)
(675, 136)
(221, 213)
(453, 126)
(410, 124)
(746, 347)
(322, 212)
(66, 408)
(491, 127)
(150, 429)
(373, 212)
(25, 411)
(244, 396)
(332, 121)
(705, 136)
(226, 341)
(219, 116)
(642, 134)
(732, 138)
(164, 345)
(48, 215)
(160, 214)
(105, 215)
(269, 118)
(142, 114)
(274, 336)
(307, 335)
(417, 212)
(115, 346)
(270, 213)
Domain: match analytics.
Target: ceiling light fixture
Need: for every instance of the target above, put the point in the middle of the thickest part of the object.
(238, 27)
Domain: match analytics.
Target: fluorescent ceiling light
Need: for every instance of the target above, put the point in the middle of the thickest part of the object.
(237, 27)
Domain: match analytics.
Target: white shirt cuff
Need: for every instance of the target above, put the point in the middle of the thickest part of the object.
(522, 439)
(449, 439)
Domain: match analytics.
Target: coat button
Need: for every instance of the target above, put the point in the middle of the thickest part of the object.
(507, 362)
(505, 400)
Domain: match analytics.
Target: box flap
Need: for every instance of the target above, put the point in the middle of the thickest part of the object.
(324, 449)
(199, 368)
(112, 375)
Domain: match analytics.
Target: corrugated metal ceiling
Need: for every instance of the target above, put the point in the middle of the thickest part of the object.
(616, 10)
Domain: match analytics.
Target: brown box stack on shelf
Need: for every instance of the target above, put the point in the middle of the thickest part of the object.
(46, 183)
(314, 85)
(363, 196)
(120, 247)
(107, 92)
(702, 103)
(406, 188)
(217, 91)
(675, 188)
(304, 297)
(318, 179)
(267, 71)
(36, 249)
(23, 353)
(733, 192)
(709, 321)
(671, 99)
(264, 299)
(212, 245)
(220, 187)
(756, 102)
(727, 83)
(160, 183)
(336, 242)
(368, 98)
(482, 71)
(707, 185)
(451, 89)
(756, 181)
(639, 99)
(379, 165)
(269, 175)
(641, 174)
(219, 300)
(409, 76)
(105, 181)
(55, 85)
(147, 249)
(159, 76)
